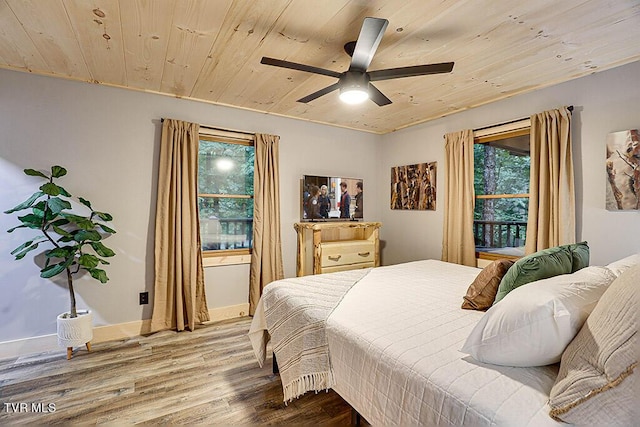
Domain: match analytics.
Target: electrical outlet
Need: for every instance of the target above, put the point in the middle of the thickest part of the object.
(144, 298)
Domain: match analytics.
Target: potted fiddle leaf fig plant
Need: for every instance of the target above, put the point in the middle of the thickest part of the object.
(75, 246)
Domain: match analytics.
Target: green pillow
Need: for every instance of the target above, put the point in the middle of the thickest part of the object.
(580, 255)
(537, 266)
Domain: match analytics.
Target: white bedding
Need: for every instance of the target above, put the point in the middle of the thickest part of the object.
(294, 313)
(394, 342)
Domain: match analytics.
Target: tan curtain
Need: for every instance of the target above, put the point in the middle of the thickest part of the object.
(458, 244)
(179, 299)
(266, 255)
(551, 219)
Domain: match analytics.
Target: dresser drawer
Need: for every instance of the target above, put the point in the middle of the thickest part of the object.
(334, 268)
(345, 253)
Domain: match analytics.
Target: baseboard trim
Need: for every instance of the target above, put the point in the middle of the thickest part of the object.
(228, 312)
(118, 331)
(26, 346)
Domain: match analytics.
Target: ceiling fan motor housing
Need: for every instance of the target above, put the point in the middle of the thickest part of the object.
(354, 80)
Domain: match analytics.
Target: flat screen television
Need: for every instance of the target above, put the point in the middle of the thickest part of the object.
(328, 198)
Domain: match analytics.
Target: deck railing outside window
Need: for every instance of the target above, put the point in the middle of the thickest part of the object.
(226, 233)
(499, 234)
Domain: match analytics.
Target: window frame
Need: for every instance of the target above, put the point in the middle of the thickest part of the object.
(497, 133)
(212, 258)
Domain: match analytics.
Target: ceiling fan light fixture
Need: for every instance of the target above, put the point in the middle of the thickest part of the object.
(354, 87)
(352, 95)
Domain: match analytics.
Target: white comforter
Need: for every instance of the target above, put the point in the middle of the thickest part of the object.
(394, 342)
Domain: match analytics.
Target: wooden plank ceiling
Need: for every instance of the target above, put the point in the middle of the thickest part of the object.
(210, 50)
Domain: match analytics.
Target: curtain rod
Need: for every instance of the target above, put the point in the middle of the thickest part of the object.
(570, 108)
(221, 129)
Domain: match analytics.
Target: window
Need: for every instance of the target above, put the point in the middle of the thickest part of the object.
(225, 193)
(501, 181)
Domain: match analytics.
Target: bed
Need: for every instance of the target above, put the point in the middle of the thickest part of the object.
(388, 341)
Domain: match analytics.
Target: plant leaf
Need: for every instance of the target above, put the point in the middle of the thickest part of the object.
(15, 228)
(83, 235)
(102, 250)
(50, 189)
(98, 274)
(57, 205)
(59, 222)
(62, 231)
(85, 202)
(33, 172)
(39, 207)
(106, 229)
(63, 191)
(29, 244)
(21, 247)
(52, 270)
(25, 251)
(58, 171)
(104, 216)
(88, 261)
(62, 252)
(27, 203)
(80, 221)
(31, 221)
(55, 269)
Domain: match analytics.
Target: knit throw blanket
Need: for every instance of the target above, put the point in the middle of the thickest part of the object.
(293, 312)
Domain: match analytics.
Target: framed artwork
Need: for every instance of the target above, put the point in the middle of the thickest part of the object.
(623, 171)
(413, 187)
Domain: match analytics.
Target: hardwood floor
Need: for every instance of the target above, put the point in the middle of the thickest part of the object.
(209, 376)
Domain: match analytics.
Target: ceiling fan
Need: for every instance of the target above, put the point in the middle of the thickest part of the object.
(354, 84)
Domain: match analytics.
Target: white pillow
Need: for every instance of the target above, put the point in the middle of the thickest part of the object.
(621, 265)
(532, 325)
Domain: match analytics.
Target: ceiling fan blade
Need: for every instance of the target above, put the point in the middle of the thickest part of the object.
(377, 96)
(368, 41)
(320, 93)
(416, 70)
(298, 67)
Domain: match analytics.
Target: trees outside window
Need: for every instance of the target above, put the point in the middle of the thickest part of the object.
(225, 195)
(501, 181)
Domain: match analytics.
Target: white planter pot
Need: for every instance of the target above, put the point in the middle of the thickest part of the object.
(75, 331)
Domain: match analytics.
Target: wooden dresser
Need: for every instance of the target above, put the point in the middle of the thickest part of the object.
(325, 247)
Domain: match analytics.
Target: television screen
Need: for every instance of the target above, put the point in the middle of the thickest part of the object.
(327, 198)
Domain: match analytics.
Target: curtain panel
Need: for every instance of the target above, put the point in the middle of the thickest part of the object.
(551, 220)
(179, 298)
(458, 245)
(266, 255)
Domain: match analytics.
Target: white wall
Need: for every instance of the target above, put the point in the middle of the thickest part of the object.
(604, 102)
(108, 139)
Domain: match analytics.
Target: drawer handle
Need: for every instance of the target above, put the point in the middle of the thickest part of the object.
(364, 253)
(335, 258)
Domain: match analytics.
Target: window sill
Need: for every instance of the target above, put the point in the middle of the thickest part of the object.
(492, 256)
(217, 261)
